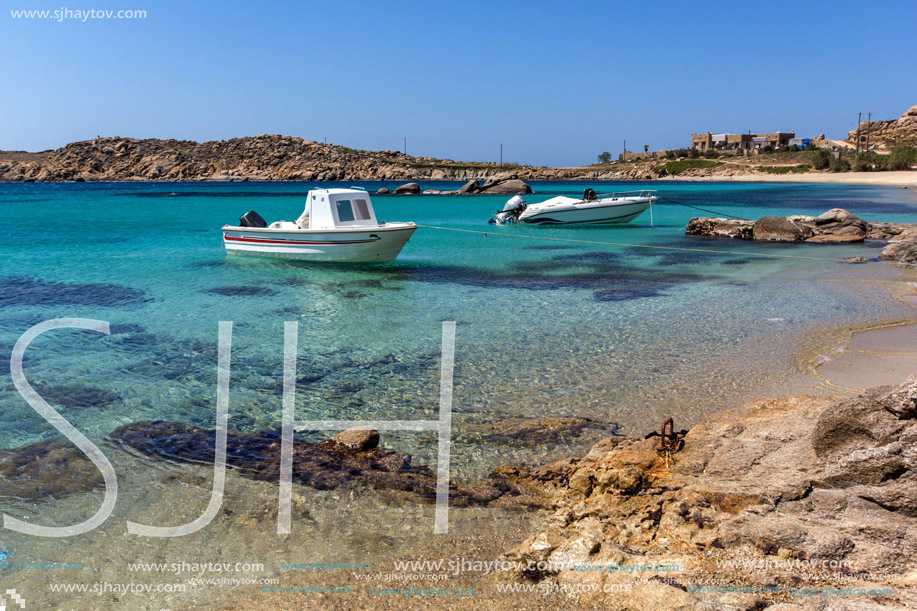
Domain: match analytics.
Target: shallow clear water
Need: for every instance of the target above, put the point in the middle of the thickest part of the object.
(622, 335)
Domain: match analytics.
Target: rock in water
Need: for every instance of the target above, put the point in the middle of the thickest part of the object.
(383, 191)
(472, 186)
(709, 227)
(779, 229)
(411, 188)
(353, 459)
(904, 252)
(358, 439)
(507, 187)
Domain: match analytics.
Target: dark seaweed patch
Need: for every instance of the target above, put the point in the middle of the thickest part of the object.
(206, 264)
(682, 258)
(634, 288)
(75, 396)
(598, 258)
(48, 469)
(28, 291)
(243, 290)
(737, 261)
(550, 247)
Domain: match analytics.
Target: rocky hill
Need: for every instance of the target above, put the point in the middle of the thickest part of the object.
(265, 157)
(889, 134)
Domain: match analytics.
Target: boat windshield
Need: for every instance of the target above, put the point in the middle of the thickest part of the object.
(345, 211)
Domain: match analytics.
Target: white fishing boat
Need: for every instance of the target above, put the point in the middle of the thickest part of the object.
(337, 225)
(591, 208)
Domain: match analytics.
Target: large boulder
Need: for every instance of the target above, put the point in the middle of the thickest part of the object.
(911, 112)
(411, 188)
(904, 252)
(711, 227)
(512, 186)
(472, 186)
(779, 229)
(838, 226)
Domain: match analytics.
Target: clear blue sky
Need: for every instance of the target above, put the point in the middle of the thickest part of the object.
(556, 83)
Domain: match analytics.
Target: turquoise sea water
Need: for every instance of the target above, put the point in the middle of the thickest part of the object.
(622, 335)
(618, 334)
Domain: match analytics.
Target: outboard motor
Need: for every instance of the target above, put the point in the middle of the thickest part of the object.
(511, 212)
(252, 219)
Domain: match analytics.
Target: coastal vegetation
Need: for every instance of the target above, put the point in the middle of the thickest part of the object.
(785, 169)
(674, 168)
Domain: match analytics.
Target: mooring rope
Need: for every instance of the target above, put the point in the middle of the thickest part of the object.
(650, 246)
(669, 199)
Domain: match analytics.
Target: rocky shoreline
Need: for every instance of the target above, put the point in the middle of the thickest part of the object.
(836, 226)
(783, 504)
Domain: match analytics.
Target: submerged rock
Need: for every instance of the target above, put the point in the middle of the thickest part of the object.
(351, 458)
(29, 291)
(538, 431)
(45, 470)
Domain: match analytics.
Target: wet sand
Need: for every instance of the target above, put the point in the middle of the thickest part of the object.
(875, 357)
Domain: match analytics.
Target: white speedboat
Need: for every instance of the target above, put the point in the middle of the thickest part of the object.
(592, 208)
(337, 225)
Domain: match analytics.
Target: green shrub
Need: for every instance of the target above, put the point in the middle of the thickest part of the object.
(902, 158)
(767, 150)
(840, 165)
(670, 154)
(605, 157)
(693, 153)
(863, 164)
(785, 169)
(711, 154)
(821, 159)
(673, 168)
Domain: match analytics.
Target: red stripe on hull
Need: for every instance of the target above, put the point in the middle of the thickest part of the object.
(292, 242)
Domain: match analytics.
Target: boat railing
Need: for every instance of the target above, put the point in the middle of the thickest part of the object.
(643, 193)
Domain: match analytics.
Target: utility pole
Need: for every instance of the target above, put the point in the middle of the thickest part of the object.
(501, 153)
(625, 151)
(859, 119)
(405, 145)
(868, 126)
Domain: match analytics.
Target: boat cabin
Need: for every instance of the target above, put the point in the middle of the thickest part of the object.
(334, 208)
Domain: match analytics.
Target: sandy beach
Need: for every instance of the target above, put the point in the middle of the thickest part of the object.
(895, 179)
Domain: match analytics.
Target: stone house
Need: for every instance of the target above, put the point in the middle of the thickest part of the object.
(740, 142)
